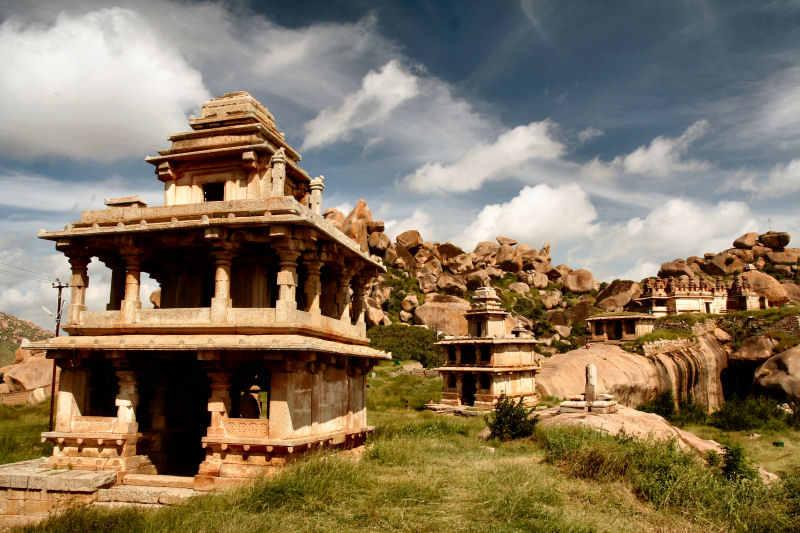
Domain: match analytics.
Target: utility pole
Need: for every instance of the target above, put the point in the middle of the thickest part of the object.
(60, 286)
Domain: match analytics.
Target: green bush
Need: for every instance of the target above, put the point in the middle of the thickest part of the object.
(407, 343)
(735, 464)
(511, 420)
(689, 412)
(663, 404)
(747, 414)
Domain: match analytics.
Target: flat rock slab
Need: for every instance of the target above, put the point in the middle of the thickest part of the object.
(145, 495)
(36, 475)
(148, 480)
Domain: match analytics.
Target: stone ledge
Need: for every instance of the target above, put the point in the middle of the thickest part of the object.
(145, 495)
(146, 480)
(35, 475)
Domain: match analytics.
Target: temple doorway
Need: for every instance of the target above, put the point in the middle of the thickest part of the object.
(468, 389)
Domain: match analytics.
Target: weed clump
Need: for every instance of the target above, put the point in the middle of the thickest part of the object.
(511, 420)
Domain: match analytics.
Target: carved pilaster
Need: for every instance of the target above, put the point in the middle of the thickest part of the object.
(278, 163)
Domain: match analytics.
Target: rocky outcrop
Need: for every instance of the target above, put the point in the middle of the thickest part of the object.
(445, 313)
(32, 373)
(633, 379)
(776, 240)
(357, 223)
(746, 241)
(617, 295)
(766, 286)
(779, 376)
(579, 281)
(754, 349)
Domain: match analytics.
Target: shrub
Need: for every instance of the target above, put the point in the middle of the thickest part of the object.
(663, 404)
(751, 413)
(735, 464)
(511, 420)
(407, 343)
(690, 412)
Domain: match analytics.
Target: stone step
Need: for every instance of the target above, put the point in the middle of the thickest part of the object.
(147, 480)
(145, 495)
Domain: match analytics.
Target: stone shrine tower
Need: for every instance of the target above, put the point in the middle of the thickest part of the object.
(257, 349)
(487, 363)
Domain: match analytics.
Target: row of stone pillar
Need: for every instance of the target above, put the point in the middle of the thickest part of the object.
(287, 282)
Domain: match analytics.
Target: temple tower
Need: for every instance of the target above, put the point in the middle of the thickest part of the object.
(488, 362)
(256, 349)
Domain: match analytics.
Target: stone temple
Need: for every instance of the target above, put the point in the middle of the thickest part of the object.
(488, 362)
(257, 349)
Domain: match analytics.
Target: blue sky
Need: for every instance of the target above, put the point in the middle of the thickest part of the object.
(623, 133)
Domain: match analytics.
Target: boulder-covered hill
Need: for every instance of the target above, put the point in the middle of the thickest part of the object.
(12, 331)
(431, 283)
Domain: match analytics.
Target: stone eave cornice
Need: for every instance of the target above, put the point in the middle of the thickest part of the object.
(488, 340)
(271, 343)
(493, 369)
(229, 214)
(226, 151)
(223, 131)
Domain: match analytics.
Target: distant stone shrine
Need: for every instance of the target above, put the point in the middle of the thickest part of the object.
(257, 349)
(662, 297)
(590, 401)
(488, 362)
(618, 327)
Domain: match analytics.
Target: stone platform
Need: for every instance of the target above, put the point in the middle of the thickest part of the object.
(30, 490)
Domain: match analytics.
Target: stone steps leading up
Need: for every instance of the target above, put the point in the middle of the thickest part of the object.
(145, 495)
(147, 480)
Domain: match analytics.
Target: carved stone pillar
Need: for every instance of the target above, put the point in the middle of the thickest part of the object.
(78, 283)
(459, 386)
(316, 185)
(313, 286)
(458, 355)
(278, 163)
(131, 303)
(221, 302)
(359, 300)
(127, 400)
(343, 295)
(287, 279)
(219, 404)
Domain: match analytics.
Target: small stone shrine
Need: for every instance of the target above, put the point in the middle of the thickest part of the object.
(488, 362)
(589, 401)
(257, 350)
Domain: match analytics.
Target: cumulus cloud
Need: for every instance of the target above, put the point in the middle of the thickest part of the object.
(380, 93)
(678, 228)
(418, 220)
(662, 157)
(782, 179)
(96, 86)
(485, 162)
(537, 214)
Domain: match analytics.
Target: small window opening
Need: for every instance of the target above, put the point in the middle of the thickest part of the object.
(214, 192)
(486, 353)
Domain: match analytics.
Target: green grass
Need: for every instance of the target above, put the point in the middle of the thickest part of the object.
(426, 472)
(20, 429)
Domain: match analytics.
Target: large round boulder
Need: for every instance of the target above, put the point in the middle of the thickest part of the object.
(675, 269)
(356, 224)
(378, 242)
(779, 376)
(335, 217)
(410, 240)
(451, 284)
(775, 239)
(757, 348)
(443, 312)
(617, 295)
(766, 286)
(579, 281)
(792, 291)
(31, 373)
(746, 241)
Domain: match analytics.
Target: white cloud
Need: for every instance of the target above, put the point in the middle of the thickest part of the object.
(678, 228)
(485, 162)
(782, 180)
(536, 215)
(381, 93)
(589, 133)
(23, 190)
(419, 220)
(661, 158)
(97, 86)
